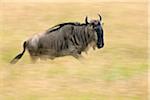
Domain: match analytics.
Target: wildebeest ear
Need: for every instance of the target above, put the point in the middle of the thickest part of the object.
(86, 20)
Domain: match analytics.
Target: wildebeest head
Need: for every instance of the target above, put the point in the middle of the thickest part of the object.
(97, 26)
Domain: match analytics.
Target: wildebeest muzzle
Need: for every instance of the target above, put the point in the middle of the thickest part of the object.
(100, 40)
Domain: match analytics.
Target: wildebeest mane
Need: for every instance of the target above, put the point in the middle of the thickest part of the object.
(58, 26)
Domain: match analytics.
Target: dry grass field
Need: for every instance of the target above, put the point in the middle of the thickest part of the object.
(116, 72)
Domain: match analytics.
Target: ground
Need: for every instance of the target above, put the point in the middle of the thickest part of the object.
(116, 72)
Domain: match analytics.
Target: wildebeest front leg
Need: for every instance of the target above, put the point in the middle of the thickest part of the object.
(76, 54)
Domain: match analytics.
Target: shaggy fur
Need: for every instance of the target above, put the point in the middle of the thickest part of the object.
(63, 39)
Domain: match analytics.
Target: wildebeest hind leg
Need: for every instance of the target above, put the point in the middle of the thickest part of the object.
(33, 55)
(34, 58)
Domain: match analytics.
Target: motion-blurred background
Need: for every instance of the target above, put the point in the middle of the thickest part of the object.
(116, 72)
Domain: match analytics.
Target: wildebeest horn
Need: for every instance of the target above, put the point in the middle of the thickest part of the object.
(86, 20)
(100, 18)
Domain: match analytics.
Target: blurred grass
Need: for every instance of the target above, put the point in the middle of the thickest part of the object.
(116, 72)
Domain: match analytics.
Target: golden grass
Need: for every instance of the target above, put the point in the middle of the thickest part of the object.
(116, 72)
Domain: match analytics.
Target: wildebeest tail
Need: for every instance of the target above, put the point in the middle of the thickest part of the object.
(13, 61)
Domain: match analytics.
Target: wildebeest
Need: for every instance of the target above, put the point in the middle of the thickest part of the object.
(71, 38)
